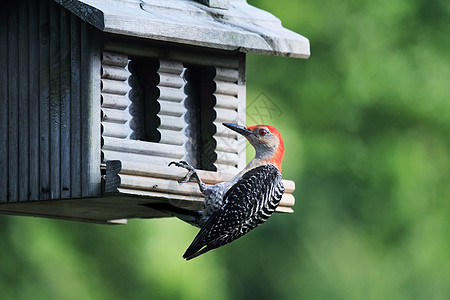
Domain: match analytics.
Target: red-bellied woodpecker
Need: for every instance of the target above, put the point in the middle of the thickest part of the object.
(231, 209)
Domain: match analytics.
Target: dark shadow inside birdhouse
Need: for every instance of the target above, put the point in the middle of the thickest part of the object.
(144, 94)
(200, 115)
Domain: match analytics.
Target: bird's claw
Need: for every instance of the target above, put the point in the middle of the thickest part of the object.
(182, 164)
(187, 166)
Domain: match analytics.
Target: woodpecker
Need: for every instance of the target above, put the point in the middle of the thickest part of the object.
(233, 208)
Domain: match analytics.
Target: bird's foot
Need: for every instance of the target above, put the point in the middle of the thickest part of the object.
(192, 172)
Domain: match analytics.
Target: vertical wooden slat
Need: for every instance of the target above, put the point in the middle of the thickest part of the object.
(75, 108)
(65, 76)
(44, 128)
(115, 86)
(242, 110)
(90, 110)
(55, 103)
(230, 108)
(33, 96)
(171, 113)
(23, 121)
(4, 105)
(95, 126)
(13, 98)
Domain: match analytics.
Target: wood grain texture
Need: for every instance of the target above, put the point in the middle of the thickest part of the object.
(13, 107)
(23, 108)
(241, 27)
(55, 102)
(75, 107)
(4, 132)
(41, 95)
(90, 108)
(33, 98)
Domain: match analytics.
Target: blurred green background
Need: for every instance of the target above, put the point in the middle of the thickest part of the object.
(366, 123)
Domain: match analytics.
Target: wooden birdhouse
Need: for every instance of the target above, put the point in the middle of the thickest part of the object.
(98, 96)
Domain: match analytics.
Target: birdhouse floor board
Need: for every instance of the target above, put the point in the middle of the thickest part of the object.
(139, 186)
(147, 180)
(92, 210)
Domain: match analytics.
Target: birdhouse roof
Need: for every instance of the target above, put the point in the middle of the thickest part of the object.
(237, 26)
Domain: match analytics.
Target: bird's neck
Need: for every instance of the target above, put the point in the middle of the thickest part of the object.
(264, 156)
(258, 161)
(268, 154)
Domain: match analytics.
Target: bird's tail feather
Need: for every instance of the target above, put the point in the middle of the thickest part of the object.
(191, 253)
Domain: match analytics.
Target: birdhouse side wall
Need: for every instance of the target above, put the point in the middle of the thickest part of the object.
(49, 124)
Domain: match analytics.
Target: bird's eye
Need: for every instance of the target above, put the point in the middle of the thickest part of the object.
(262, 132)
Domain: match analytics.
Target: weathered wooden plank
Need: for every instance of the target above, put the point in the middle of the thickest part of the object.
(170, 172)
(13, 98)
(201, 57)
(226, 145)
(139, 158)
(55, 103)
(75, 106)
(65, 96)
(172, 137)
(115, 73)
(224, 167)
(170, 66)
(172, 123)
(114, 101)
(226, 158)
(223, 131)
(115, 116)
(226, 88)
(4, 103)
(44, 106)
(114, 87)
(23, 113)
(90, 111)
(170, 108)
(289, 186)
(140, 147)
(287, 200)
(226, 115)
(165, 196)
(226, 74)
(159, 185)
(114, 59)
(170, 94)
(175, 173)
(33, 94)
(284, 209)
(242, 109)
(170, 80)
(226, 101)
(115, 130)
(92, 210)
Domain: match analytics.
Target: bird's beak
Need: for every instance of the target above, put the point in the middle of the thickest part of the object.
(239, 129)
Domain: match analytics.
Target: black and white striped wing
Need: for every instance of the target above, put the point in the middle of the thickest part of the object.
(247, 204)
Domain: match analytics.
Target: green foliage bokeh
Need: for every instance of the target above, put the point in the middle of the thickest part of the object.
(366, 123)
